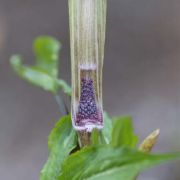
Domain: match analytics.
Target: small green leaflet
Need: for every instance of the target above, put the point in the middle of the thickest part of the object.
(46, 50)
(107, 129)
(34, 75)
(123, 132)
(45, 71)
(96, 137)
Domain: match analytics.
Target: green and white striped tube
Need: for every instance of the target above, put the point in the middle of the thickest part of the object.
(87, 39)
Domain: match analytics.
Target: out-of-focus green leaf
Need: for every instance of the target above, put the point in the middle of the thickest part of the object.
(106, 162)
(123, 173)
(62, 140)
(46, 50)
(44, 73)
(65, 87)
(95, 137)
(107, 129)
(34, 75)
(123, 132)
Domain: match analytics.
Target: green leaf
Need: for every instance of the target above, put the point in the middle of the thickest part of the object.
(46, 50)
(117, 174)
(123, 133)
(34, 75)
(95, 137)
(45, 71)
(62, 140)
(65, 87)
(106, 162)
(107, 129)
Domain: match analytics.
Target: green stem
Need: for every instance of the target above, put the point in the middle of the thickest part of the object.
(84, 138)
(61, 104)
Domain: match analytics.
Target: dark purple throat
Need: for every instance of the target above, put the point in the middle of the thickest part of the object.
(87, 110)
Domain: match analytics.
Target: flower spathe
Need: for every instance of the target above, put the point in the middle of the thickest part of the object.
(87, 37)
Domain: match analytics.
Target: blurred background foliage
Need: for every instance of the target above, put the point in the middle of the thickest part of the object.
(45, 71)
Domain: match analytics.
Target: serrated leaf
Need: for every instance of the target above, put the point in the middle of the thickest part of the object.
(107, 129)
(123, 132)
(106, 162)
(62, 140)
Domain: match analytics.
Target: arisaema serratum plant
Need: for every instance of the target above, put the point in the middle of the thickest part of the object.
(87, 34)
(89, 144)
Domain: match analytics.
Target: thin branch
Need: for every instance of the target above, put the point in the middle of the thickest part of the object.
(61, 104)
